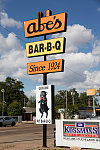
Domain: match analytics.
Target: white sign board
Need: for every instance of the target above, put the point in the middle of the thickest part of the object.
(44, 98)
(82, 133)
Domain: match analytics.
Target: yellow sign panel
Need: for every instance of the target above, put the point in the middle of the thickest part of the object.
(91, 92)
(45, 25)
(45, 66)
(46, 47)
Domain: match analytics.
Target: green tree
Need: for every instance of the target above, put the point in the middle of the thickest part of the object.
(72, 101)
(15, 109)
(13, 91)
(3, 109)
(83, 99)
(31, 102)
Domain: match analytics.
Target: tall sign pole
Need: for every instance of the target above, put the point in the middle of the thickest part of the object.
(48, 13)
(44, 26)
(40, 15)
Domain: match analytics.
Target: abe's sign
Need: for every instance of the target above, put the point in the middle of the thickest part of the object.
(46, 25)
(45, 67)
(46, 47)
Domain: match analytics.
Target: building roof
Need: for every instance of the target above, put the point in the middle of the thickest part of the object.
(29, 110)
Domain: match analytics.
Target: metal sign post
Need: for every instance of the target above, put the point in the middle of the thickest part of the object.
(44, 125)
(43, 26)
(48, 13)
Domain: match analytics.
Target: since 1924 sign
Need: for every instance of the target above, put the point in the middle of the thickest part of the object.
(45, 67)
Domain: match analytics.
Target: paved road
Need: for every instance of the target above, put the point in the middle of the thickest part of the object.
(26, 136)
(24, 132)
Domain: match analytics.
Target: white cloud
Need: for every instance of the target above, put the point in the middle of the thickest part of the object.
(21, 72)
(92, 80)
(96, 48)
(2, 76)
(76, 36)
(9, 43)
(5, 21)
(98, 9)
(75, 65)
(31, 93)
(13, 60)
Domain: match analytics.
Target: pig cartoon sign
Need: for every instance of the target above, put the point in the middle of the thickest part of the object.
(44, 103)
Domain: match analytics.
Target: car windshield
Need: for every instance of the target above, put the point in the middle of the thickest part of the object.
(1, 118)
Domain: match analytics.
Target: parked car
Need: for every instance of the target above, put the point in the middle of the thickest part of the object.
(4, 121)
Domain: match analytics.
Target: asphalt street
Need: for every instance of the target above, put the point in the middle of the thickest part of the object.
(24, 132)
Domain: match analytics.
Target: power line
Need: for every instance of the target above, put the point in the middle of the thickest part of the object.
(80, 74)
(25, 43)
(15, 34)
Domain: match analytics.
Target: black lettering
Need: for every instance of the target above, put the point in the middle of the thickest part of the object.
(40, 68)
(33, 26)
(57, 45)
(43, 68)
(41, 47)
(36, 48)
(48, 24)
(49, 66)
(40, 26)
(30, 49)
(36, 68)
(49, 46)
(59, 24)
(31, 67)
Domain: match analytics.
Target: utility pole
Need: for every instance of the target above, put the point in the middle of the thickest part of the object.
(3, 102)
(94, 113)
(66, 104)
(72, 93)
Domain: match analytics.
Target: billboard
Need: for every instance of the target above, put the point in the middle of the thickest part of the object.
(44, 104)
(91, 92)
(46, 47)
(81, 129)
(45, 25)
(45, 67)
(82, 133)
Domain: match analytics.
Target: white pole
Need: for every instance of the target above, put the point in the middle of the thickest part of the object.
(94, 113)
(3, 102)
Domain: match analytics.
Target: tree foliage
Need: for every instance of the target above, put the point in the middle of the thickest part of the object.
(13, 91)
(73, 99)
(31, 102)
(15, 109)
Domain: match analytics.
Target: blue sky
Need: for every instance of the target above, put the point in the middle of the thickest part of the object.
(82, 56)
